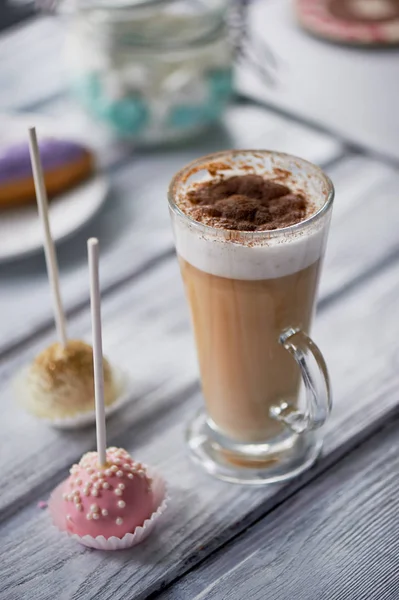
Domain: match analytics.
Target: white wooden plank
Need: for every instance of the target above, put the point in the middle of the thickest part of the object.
(337, 538)
(334, 85)
(134, 227)
(364, 222)
(31, 66)
(204, 513)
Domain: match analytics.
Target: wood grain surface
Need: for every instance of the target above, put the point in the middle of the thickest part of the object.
(203, 513)
(147, 333)
(338, 538)
(327, 84)
(32, 70)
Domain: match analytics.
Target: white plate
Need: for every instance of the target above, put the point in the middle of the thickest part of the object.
(20, 229)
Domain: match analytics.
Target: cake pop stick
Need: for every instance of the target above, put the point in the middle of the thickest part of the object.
(49, 250)
(95, 301)
(110, 501)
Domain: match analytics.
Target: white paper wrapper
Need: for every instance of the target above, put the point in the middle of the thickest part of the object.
(161, 500)
(81, 419)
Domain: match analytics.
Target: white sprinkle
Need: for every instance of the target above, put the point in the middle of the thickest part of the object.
(96, 516)
(121, 504)
(99, 474)
(117, 461)
(94, 492)
(130, 475)
(104, 512)
(121, 486)
(77, 500)
(65, 496)
(105, 485)
(126, 466)
(114, 468)
(79, 507)
(90, 471)
(108, 473)
(93, 477)
(97, 485)
(78, 481)
(141, 473)
(119, 473)
(119, 521)
(118, 492)
(112, 449)
(86, 492)
(89, 516)
(68, 517)
(94, 507)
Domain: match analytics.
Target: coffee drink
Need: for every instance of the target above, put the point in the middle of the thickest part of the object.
(237, 325)
(250, 256)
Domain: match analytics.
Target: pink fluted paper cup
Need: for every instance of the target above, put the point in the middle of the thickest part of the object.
(160, 502)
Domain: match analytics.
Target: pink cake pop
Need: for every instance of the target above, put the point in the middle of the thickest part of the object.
(109, 500)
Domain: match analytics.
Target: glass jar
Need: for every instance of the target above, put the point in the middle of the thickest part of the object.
(152, 70)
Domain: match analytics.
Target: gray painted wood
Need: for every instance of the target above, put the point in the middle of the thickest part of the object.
(146, 331)
(337, 538)
(204, 513)
(332, 85)
(364, 224)
(133, 227)
(31, 68)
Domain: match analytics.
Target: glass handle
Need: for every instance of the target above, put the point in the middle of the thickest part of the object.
(317, 384)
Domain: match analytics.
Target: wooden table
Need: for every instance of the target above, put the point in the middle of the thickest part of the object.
(333, 533)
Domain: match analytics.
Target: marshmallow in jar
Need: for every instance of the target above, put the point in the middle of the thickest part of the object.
(151, 70)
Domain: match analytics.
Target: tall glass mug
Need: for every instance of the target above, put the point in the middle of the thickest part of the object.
(252, 298)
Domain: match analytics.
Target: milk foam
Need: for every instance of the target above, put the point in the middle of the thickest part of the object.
(263, 255)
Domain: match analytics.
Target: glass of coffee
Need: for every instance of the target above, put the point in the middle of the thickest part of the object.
(250, 229)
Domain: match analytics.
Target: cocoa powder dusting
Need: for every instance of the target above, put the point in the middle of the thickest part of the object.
(246, 203)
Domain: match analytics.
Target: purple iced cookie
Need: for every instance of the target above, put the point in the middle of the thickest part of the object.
(65, 164)
(15, 160)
